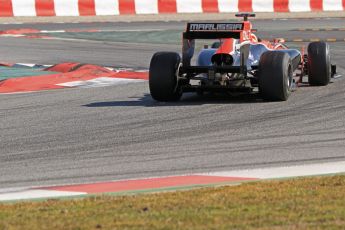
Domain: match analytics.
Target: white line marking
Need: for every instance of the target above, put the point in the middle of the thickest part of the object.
(288, 171)
(36, 194)
(52, 31)
(12, 35)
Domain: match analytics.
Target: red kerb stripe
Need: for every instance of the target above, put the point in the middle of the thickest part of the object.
(245, 6)
(281, 5)
(210, 6)
(127, 6)
(167, 6)
(316, 5)
(45, 8)
(6, 9)
(154, 183)
(87, 7)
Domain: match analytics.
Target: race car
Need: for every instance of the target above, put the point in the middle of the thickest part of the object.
(237, 62)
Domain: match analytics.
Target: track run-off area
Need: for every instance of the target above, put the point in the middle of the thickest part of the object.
(118, 132)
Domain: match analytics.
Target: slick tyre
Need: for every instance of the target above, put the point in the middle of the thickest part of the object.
(275, 76)
(163, 79)
(319, 64)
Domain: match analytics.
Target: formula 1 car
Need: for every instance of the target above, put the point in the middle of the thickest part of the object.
(237, 62)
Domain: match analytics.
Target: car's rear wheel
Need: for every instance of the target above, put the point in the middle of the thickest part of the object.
(275, 76)
(319, 64)
(163, 80)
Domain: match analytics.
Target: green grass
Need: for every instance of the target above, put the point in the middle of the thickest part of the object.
(307, 203)
(17, 72)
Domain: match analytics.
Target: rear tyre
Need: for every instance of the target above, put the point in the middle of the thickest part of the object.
(275, 76)
(163, 80)
(319, 64)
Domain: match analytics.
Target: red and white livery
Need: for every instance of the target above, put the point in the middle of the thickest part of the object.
(238, 61)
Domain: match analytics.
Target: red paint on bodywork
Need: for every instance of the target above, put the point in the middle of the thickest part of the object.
(247, 35)
(227, 47)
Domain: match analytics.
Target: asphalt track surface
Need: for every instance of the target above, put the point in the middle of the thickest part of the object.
(119, 132)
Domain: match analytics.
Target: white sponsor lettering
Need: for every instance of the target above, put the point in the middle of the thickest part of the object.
(215, 26)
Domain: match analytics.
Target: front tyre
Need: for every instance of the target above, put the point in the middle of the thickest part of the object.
(275, 76)
(319, 64)
(163, 79)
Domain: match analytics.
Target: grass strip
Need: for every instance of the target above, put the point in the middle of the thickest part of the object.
(302, 203)
(18, 72)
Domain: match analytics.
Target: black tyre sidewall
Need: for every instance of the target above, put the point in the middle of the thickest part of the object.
(163, 81)
(319, 64)
(275, 76)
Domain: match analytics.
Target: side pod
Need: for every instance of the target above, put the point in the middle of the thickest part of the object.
(295, 56)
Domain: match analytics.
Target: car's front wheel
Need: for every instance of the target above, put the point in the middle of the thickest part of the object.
(319, 64)
(275, 76)
(163, 79)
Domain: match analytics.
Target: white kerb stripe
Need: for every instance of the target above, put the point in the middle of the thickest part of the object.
(191, 6)
(228, 6)
(24, 7)
(299, 5)
(329, 5)
(146, 6)
(107, 7)
(263, 6)
(26, 64)
(36, 194)
(283, 172)
(66, 7)
(100, 82)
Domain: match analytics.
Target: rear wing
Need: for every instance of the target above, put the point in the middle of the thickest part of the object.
(207, 31)
(213, 30)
